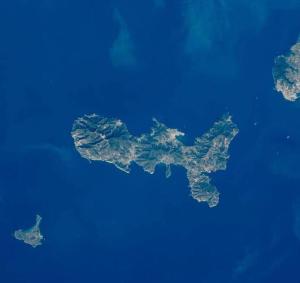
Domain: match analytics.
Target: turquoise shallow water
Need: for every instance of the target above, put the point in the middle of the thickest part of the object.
(186, 66)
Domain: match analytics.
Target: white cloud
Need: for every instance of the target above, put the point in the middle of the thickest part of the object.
(213, 29)
(159, 3)
(296, 227)
(285, 163)
(122, 50)
(245, 263)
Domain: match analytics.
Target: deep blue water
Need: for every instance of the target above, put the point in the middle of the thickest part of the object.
(102, 225)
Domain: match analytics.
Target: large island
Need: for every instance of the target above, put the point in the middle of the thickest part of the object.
(108, 139)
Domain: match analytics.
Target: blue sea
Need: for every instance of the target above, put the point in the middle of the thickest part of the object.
(186, 63)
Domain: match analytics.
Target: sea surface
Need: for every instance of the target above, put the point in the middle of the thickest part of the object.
(186, 63)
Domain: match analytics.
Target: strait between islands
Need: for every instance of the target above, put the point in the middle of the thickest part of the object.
(107, 139)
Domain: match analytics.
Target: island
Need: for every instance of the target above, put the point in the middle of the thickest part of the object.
(108, 139)
(286, 73)
(31, 236)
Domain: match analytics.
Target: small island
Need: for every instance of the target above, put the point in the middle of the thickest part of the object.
(286, 73)
(31, 236)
